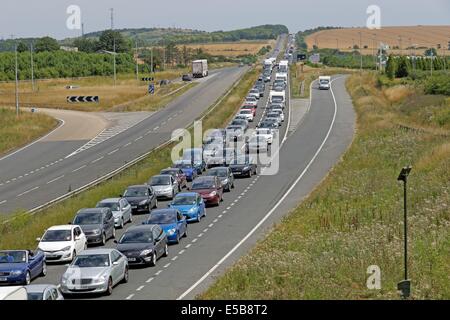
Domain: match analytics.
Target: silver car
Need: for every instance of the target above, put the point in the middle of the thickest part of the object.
(95, 271)
(120, 208)
(43, 292)
(164, 185)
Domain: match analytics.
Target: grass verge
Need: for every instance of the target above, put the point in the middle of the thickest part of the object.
(22, 229)
(18, 131)
(323, 248)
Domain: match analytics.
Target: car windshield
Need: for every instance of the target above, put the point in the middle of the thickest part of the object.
(272, 115)
(13, 257)
(92, 261)
(137, 236)
(246, 111)
(162, 218)
(262, 131)
(171, 172)
(217, 172)
(136, 192)
(57, 235)
(240, 160)
(35, 295)
(183, 165)
(114, 206)
(88, 218)
(184, 200)
(324, 81)
(160, 181)
(202, 184)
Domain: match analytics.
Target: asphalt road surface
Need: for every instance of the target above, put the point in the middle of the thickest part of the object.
(231, 229)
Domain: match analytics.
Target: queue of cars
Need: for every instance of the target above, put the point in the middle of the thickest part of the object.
(211, 170)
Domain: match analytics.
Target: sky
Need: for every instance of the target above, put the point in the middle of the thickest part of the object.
(31, 18)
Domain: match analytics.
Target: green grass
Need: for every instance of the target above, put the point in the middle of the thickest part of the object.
(22, 231)
(323, 248)
(18, 131)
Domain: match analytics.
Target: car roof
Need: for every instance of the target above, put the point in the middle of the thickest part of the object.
(205, 178)
(109, 200)
(163, 211)
(138, 186)
(93, 210)
(162, 175)
(62, 227)
(38, 287)
(142, 227)
(192, 194)
(96, 251)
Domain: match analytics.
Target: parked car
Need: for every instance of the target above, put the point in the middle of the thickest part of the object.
(171, 221)
(164, 186)
(178, 174)
(188, 169)
(186, 77)
(120, 209)
(210, 188)
(95, 271)
(21, 266)
(225, 175)
(43, 292)
(142, 198)
(243, 166)
(97, 224)
(62, 243)
(190, 204)
(144, 244)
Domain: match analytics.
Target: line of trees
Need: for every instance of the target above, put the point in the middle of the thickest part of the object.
(402, 66)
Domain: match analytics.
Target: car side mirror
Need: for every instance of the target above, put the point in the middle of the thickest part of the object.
(115, 241)
(189, 188)
(70, 222)
(77, 238)
(115, 263)
(38, 239)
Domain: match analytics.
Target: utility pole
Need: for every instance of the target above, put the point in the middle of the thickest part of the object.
(112, 18)
(360, 55)
(32, 66)
(82, 30)
(114, 58)
(400, 45)
(17, 80)
(137, 66)
(151, 60)
(432, 54)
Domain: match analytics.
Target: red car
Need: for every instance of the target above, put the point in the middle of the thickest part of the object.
(178, 174)
(249, 107)
(210, 188)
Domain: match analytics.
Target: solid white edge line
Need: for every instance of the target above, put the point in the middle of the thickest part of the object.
(206, 275)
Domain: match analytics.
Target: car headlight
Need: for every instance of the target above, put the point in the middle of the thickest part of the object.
(96, 232)
(192, 210)
(66, 248)
(146, 252)
(171, 231)
(100, 279)
(212, 194)
(225, 181)
(16, 272)
(143, 203)
(246, 168)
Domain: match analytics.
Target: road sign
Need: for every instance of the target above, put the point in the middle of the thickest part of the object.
(151, 88)
(74, 99)
(148, 79)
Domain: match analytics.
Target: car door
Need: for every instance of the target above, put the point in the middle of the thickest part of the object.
(33, 265)
(159, 246)
(181, 223)
(110, 222)
(80, 239)
(117, 267)
(126, 209)
(200, 205)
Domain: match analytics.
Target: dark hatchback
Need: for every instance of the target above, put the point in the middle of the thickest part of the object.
(243, 167)
(97, 224)
(141, 198)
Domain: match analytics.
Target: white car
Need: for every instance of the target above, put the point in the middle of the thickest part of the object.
(251, 101)
(279, 112)
(62, 243)
(255, 93)
(266, 133)
(248, 113)
(258, 143)
(120, 208)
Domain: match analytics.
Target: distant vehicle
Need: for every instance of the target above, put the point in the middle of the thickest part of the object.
(276, 105)
(266, 124)
(234, 133)
(142, 198)
(225, 175)
(255, 93)
(274, 115)
(258, 144)
(186, 77)
(251, 100)
(195, 155)
(97, 224)
(144, 244)
(95, 271)
(324, 82)
(190, 204)
(13, 293)
(266, 134)
(43, 292)
(249, 107)
(277, 97)
(222, 159)
(200, 68)
(178, 174)
(283, 66)
(188, 169)
(277, 111)
(164, 186)
(247, 114)
(164, 82)
(275, 120)
(281, 76)
(21, 266)
(210, 189)
(120, 208)
(171, 221)
(240, 122)
(243, 166)
(261, 87)
(62, 243)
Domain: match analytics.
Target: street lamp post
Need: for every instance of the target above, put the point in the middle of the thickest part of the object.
(405, 285)
(32, 66)
(17, 80)
(114, 59)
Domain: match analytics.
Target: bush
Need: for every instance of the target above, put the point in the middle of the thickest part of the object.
(438, 84)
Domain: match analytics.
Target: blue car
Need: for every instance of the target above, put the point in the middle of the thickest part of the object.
(195, 156)
(188, 169)
(190, 204)
(171, 221)
(19, 267)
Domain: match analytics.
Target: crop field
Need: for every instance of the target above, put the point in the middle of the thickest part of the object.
(401, 40)
(232, 49)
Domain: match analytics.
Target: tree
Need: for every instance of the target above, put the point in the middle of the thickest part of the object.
(402, 68)
(46, 44)
(431, 51)
(86, 45)
(391, 67)
(107, 39)
(22, 47)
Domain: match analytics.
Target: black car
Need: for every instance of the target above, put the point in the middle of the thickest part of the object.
(243, 166)
(97, 224)
(142, 198)
(143, 245)
(225, 175)
(268, 124)
(186, 77)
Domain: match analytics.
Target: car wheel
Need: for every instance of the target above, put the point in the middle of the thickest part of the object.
(177, 241)
(153, 261)
(74, 255)
(125, 275)
(156, 204)
(113, 236)
(130, 220)
(232, 186)
(121, 223)
(44, 269)
(250, 174)
(198, 217)
(103, 239)
(166, 250)
(27, 278)
(185, 233)
(110, 287)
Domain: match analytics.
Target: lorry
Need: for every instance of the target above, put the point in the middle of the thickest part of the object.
(200, 68)
(324, 82)
(281, 76)
(283, 66)
(277, 96)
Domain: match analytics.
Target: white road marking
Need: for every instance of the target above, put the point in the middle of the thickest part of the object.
(167, 265)
(97, 160)
(137, 139)
(114, 151)
(126, 145)
(82, 167)
(181, 251)
(149, 280)
(205, 230)
(158, 272)
(2, 202)
(194, 240)
(229, 208)
(199, 236)
(215, 220)
(184, 294)
(220, 216)
(174, 258)
(28, 191)
(210, 225)
(188, 245)
(130, 296)
(140, 288)
(56, 179)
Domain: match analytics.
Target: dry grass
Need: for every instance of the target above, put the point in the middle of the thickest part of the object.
(18, 131)
(422, 36)
(232, 49)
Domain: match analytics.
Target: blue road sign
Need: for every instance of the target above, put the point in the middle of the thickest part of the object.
(151, 88)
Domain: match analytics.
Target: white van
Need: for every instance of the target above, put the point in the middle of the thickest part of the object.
(277, 96)
(13, 293)
(324, 82)
(281, 76)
